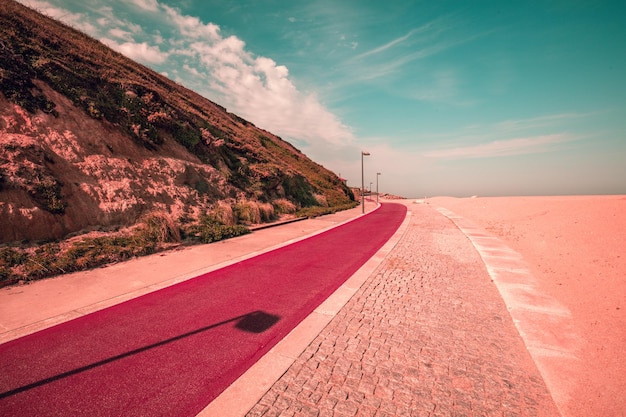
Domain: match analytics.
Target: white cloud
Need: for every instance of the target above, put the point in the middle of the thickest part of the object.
(158, 39)
(499, 148)
(260, 90)
(192, 70)
(538, 122)
(108, 20)
(256, 88)
(386, 66)
(220, 68)
(141, 52)
(191, 26)
(384, 47)
(149, 5)
(121, 34)
(429, 30)
(76, 20)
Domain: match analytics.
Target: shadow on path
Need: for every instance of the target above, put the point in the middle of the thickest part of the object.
(255, 322)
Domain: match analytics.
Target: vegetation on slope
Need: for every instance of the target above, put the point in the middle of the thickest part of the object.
(230, 165)
(149, 107)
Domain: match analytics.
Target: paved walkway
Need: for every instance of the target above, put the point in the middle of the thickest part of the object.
(170, 352)
(69, 296)
(427, 334)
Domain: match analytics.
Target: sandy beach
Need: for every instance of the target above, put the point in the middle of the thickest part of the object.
(575, 247)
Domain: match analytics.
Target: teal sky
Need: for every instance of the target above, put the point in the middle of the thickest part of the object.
(449, 97)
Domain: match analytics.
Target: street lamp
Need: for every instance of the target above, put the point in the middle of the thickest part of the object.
(377, 174)
(363, 183)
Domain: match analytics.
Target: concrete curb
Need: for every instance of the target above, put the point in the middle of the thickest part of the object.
(268, 225)
(246, 391)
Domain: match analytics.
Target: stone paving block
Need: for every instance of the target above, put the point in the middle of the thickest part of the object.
(426, 335)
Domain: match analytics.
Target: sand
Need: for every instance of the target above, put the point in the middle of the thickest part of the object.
(575, 247)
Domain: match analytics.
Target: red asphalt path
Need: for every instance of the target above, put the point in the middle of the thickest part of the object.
(171, 352)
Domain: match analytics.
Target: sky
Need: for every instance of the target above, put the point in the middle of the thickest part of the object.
(453, 98)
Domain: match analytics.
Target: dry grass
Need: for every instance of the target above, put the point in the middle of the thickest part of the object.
(284, 206)
(155, 232)
(252, 212)
(159, 227)
(223, 213)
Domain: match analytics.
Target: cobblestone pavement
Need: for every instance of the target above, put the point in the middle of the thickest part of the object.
(427, 335)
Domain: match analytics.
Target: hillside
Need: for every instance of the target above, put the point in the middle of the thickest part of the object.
(90, 140)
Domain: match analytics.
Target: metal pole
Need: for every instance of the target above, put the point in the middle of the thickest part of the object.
(377, 174)
(363, 183)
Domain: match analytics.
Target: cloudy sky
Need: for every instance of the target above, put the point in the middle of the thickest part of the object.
(448, 97)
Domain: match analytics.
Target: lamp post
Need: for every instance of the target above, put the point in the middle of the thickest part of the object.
(377, 174)
(363, 183)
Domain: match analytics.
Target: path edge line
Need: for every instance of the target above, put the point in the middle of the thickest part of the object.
(243, 394)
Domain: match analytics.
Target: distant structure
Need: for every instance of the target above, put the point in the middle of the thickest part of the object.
(357, 194)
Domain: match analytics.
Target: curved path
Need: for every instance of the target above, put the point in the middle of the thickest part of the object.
(427, 334)
(172, 351)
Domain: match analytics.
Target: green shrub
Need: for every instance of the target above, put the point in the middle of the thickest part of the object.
(48, 194)
(6, 274)
(298, 189)
(187, 135)
(40, 263)
(321, 211)
(10, 257)
(210, 230)
(217, 232)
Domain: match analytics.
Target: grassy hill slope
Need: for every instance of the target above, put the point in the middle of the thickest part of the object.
(91, 141)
